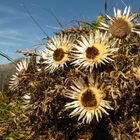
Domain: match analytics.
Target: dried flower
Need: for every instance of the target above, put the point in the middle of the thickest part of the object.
(121, 25)
(88, 100)
(93, 51)
(57, 52)
(22, 69)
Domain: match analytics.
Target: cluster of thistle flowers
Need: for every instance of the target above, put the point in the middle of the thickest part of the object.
(89, 52)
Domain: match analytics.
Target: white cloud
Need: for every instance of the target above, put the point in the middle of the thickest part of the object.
(7, 9)
(12, 11)
(14, 35)
(9, 44)
(9, 32)
(5, 20)
(9, 19)
(11, 14)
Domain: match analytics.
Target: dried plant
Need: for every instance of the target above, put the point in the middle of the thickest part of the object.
(85, 84)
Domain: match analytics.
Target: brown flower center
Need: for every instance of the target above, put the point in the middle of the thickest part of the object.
(91, 52)
(88, 98)
(58, 54)
(120, 28)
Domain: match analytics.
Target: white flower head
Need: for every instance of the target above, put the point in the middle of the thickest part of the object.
(122, 24)
(57, 52)
(88, 101)
(93, 50)
(21, 71)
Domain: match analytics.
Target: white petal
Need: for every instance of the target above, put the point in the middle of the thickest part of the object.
(101, 108)
(97, 117)
(125, 10)
(128, 12)
(115, 14)
(85, 41)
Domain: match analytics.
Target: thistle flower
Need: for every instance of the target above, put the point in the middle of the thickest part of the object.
(122, 24)
(93, 51)
(57, 52)
(22, 69)
(88, 100)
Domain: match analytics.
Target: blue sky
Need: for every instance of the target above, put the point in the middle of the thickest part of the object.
(19, 32)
